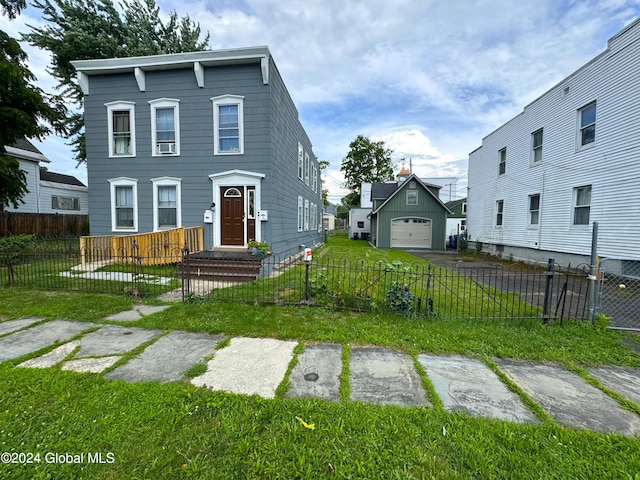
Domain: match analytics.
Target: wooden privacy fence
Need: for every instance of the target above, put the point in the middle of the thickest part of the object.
(43, 224)
(154, 248)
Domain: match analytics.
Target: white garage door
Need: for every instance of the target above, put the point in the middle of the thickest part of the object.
(411, 233)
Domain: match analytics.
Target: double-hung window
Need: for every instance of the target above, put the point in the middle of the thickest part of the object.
(306, 215)
(165, 126)
(536, 146)
(121, 129)
(502, 161)
(228, 125)
(300, 162)
(300, 214)
(582, 205)
(307, 167)
(124, 204)
(499, 212)
(166, 203)
(534, 210)
(412, 197)
(587, 122)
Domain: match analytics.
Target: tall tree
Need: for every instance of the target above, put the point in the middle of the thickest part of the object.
(25, 110)
(95, 29)
(366, 161)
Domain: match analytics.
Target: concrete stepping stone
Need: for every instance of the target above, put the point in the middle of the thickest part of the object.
(136, 313)
(385, 377)
(467, 385)
(569, 400)
(34, 338)
(622, 380)
(14, 325)
(317, 373)
(167, 359)
(90, 365)
(113, 339)
(252, 366)
(52, 358)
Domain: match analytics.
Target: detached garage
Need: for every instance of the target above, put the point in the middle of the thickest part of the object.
(408, 214)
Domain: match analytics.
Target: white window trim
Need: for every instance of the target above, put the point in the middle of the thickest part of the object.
(501, 162)
(407, 197)
(579, 144)
(300, 162)
(124, 182)
(167, 182)
(228, 100)
(575, 206)
(300, 214)
(314, 170)
(534, 148)
(498, 212)
(529, 212)
(165, 103)
(306, 215)
(115, 106)
(307, 166)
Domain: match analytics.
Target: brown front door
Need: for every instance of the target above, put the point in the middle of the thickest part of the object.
(233, 215)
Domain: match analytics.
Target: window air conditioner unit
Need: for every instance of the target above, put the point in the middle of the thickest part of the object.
(165, 148)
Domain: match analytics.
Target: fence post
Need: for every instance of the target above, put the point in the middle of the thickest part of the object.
(185, 267)
(591, 311)
(548, 291)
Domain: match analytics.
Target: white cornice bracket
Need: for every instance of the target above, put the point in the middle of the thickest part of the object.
(140, 78)
(83, 81)
(199, 71)
(264, 66)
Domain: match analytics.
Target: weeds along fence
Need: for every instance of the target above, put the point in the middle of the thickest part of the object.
(413, 290)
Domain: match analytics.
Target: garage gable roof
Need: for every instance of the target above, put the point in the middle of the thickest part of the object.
(401, 186)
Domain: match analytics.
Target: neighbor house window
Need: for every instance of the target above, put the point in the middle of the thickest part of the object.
(464, 208)
(300, 162)
(165, 126)
(499, 212)
(300, 214)
(582, 205)
(124, 204)
(536, 146)
(534, 209)
(412, 197)
(65, 203)
(166, 203)
(587, 117)
(228, 124)
(502, 158)
(121, 129)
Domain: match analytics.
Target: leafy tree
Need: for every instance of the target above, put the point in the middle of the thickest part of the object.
(366, 161)
(95, 29)
(323, 165)
(25, 110)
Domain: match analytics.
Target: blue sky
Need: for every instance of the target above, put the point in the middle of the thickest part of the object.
(429, 78)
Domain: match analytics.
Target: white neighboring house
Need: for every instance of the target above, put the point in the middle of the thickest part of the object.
(48, 192)
(571, 158)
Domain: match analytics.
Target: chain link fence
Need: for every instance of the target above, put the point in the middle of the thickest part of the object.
(619, 293)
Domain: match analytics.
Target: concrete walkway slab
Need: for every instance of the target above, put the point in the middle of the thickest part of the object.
(467, 385)
(113, 339)
(167, 359)
(136, 313)
(52, 358)
(385, 377)
(34, 338)
(622, 380)
(15, 325)
(253, 366)
(90, 365)
(569, 400)
(317, 373)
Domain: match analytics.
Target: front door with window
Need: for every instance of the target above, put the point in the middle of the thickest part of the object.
(232, 216)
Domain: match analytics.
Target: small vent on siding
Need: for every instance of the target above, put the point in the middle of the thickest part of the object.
(565, 92)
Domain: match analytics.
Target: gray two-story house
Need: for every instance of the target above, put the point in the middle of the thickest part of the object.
(207, 139)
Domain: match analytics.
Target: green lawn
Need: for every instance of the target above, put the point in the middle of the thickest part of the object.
(158, 431)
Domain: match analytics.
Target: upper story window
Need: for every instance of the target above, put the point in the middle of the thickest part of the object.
(300, 162)
(167, 211)
(307, 166)
(499, 212)
(314, 177)
(581, 205)
(121, 129)
(534, 209)
(228, 125)
(412, 197)
(536, 146)
(165, 126)
(124, 204)
(587, 119)
(464, 208)
(502, 159)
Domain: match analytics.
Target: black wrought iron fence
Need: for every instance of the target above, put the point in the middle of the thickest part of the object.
(417, 289)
